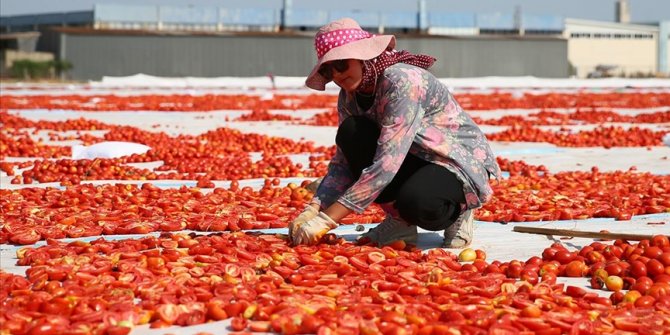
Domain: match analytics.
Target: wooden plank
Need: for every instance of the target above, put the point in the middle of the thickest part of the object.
(577, 233)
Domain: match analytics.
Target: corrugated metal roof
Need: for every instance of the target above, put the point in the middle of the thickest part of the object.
(616, 25)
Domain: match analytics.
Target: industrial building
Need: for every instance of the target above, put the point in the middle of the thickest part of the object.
(217, 41)
(621, 48)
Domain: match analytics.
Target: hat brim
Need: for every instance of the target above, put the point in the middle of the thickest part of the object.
(362, 49)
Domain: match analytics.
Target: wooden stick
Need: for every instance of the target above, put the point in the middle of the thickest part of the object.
(576, 233)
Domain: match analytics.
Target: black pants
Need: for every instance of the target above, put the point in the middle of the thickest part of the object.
(425, 194)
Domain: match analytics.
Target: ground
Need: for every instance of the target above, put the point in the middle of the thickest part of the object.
(497, 239)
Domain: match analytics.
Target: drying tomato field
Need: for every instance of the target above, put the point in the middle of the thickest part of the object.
(190, 237)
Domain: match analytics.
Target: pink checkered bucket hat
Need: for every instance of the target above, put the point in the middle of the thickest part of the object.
(344, 39)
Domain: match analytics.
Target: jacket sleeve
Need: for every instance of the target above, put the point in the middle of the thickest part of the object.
(400, 118)
(338, 178)
(335, 182)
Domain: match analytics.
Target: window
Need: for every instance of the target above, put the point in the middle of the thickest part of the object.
(618, 36)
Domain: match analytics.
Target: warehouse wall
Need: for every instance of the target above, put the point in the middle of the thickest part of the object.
(97, 55)
(482, 56)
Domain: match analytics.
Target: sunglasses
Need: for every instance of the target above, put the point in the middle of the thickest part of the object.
(326, 70)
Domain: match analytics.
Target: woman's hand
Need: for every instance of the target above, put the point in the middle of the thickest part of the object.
(310, 232)
(310, 212)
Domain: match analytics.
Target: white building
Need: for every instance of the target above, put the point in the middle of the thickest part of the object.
(629, 49)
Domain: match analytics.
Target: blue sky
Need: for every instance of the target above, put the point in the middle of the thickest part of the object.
(641, 10)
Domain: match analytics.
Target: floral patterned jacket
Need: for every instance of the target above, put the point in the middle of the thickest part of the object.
(416, 114)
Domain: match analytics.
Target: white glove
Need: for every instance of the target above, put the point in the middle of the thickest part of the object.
(307, 214)
(310, 232)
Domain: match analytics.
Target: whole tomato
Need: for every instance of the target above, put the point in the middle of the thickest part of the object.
(655, 268)
(576, 269)
(658, 290)
(614, 283)
(637, 269)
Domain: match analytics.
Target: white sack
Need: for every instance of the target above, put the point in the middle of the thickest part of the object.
(110, 149)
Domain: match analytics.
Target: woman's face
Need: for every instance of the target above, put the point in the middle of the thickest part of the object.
(345, 73)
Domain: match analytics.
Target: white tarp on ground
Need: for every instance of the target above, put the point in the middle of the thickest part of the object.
(110, 149)
(499, 241)
(143, 80)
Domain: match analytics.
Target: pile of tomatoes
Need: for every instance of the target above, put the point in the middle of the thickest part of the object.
(576, 195)
(601, 136)
(72, 172)
(33, 214)
(544, 117)
(530, 194)
(208, 102)
(263, 283)
(167, 102)
(562, 100)
(222, 154)
(336, 287)
(265, 115)
(581, 116)
(643, 269)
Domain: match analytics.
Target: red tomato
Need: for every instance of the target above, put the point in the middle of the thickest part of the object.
(375, 257)
(583, 327)
(117, 330)
(531, 311)
(613, 268)
(665, 258)
(238, 323)
(655, 268)
(44, 329)
(168, 313)
(564, 256)
(576, 269)
(663, 278)
(616, 297)
(514, 270)
(234, 309)
(549, 278)
(637, 269)
(529, 275)
(215, 311)
(642, 284)
(653, 252)
(259, 326)
(645, 301)
(658, 290)
(574, 291)
(549, 253)
(660, 241)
